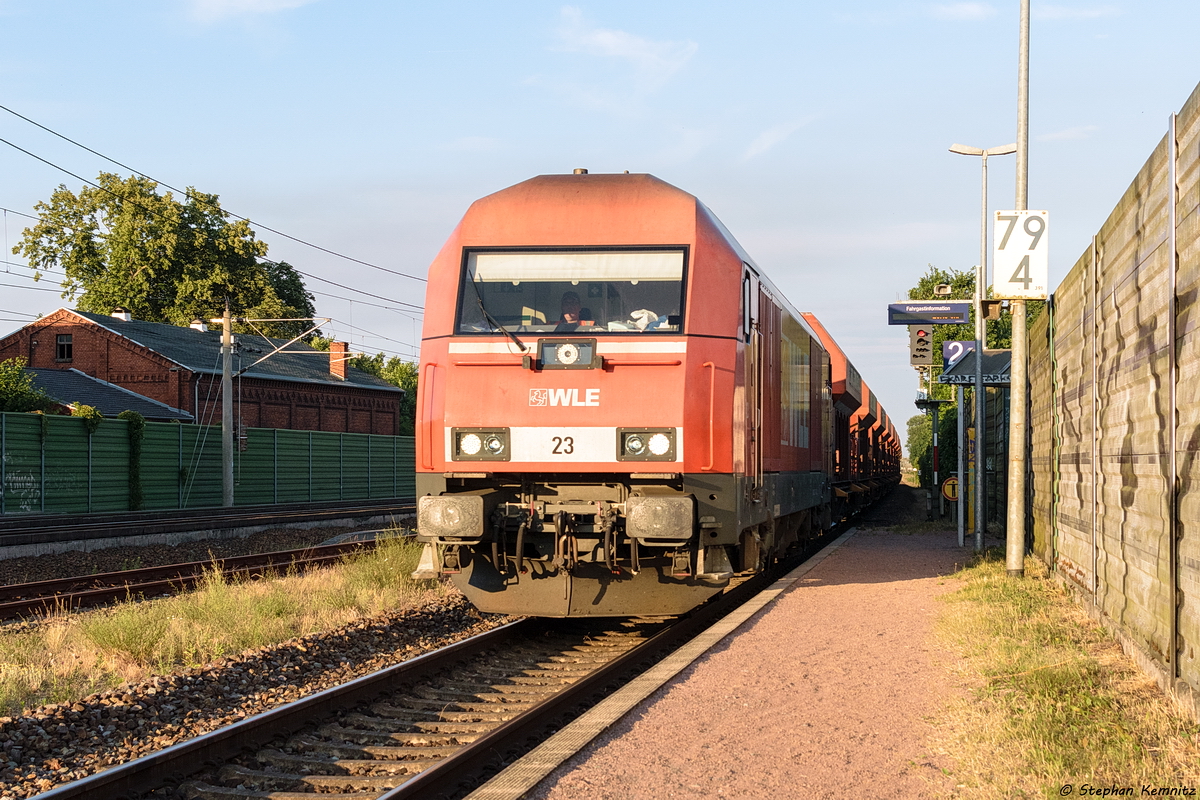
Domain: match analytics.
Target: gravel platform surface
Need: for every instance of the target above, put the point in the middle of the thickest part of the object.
(59, 743)
(823, 694)
(75, 563)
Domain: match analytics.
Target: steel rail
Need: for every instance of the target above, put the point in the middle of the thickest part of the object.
(19, 599)
(514, 738)
(172, 765)
(36, 529)
(447, 777)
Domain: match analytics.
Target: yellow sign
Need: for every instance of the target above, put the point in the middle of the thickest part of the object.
(950, 489)
(971, 473)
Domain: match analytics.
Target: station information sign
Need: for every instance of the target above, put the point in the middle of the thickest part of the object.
(1020, 255)
(929, 312)
(953, 351)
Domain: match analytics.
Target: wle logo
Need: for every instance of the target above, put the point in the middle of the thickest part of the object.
(564, 397)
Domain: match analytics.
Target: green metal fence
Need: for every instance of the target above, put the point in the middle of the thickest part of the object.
(53, 465)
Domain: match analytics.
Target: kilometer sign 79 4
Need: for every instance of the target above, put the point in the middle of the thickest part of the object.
(1020, 255)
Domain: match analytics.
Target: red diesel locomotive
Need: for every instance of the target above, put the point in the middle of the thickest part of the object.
(617, 409)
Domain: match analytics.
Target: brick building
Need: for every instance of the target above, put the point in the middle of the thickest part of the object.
(300, 389)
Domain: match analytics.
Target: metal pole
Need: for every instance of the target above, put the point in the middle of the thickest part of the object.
(1173, 404)
(1015, 544)
(962, 475)
(935, 448)
(226, 409)
(980, 342)
(936, 482)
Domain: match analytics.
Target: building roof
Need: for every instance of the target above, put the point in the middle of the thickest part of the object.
(996, 365)
(200, 351)
(70, 386)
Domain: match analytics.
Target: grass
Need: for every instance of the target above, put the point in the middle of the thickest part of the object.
(1052, 699)
(71, 655)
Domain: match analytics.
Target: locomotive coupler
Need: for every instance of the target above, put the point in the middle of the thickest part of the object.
(608, 522)
(566, 546)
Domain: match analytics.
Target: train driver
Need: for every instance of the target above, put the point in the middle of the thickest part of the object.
(573, 314)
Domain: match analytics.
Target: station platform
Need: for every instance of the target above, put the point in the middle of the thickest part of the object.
(824, 692)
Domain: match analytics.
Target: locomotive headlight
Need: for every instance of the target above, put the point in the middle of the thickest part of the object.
(479, 444)
(646, 444)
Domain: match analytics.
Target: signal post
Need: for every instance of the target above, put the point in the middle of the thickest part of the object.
(920, 316)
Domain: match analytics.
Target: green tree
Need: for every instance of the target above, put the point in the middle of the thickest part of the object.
(17, 392)
(124, 244)
(920, 447)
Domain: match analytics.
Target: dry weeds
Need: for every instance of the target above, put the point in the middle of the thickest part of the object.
(1050, 699)
(71, 655)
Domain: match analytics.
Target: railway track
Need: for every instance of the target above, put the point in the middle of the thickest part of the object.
(429, 727)
(68, 528)
(22, 599)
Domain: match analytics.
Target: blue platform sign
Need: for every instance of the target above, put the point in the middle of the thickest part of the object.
(953, 351)
(929, 312)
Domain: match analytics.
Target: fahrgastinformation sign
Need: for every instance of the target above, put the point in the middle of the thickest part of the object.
(1020, 255)
(929, 312)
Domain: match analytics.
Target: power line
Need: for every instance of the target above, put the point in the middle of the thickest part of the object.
(157, 214)
(419, 311)
(371, 333)
(352, 289)
(187, 193)
(30, 288)
(404, 312)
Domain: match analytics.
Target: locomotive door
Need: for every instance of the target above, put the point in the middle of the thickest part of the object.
(752, 336)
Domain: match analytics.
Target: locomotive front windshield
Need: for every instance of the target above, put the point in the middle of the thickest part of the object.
(572, 292)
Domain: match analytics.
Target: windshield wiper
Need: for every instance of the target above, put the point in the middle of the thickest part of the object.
(494, 323)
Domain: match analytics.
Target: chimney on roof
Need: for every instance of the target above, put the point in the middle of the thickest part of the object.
(199, 325)
(122, 314)
(337, 359)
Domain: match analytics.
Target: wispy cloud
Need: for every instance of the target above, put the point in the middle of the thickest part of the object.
(773, 136)
(1069, 134)
(215, 10)
(1073, 12)
(962, 11)
(655, 61)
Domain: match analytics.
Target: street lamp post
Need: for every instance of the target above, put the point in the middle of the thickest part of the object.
(1014, 555)
(981, 330)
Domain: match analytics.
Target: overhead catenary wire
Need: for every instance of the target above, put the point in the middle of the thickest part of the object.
(376, 335)
(151, 211)
(187, 193)
(418, 312)
(415, 348)
(411, 308)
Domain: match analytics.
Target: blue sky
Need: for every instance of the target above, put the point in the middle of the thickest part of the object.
(818, 132)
